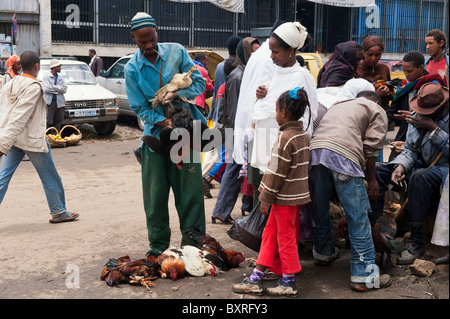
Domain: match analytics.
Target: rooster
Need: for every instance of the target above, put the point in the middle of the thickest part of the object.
(172, 266)
(121, 269)
(383, 235)
(225, 259)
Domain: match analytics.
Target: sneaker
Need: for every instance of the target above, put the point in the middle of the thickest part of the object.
(283, 289)
(248, 287)
(385, 281)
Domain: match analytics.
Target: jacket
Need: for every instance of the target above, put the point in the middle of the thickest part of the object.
(355, 129)
(231, 96)
(432, 144)
(23, 116)
(200, 100)
(285, 181)
(58, 89)
(96, 65)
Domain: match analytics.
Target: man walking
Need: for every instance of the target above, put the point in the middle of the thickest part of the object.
(54, 89)
(23, 114)
(152, 67)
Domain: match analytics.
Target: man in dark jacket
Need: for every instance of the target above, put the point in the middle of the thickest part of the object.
(96, 63)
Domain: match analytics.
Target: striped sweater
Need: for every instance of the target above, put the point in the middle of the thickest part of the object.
(286, 179)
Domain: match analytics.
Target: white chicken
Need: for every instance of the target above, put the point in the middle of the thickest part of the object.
(192, 257)
(179, 81)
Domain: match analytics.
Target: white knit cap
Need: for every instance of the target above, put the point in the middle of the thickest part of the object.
(293, 33)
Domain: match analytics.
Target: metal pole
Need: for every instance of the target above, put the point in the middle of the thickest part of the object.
(277, 10)
(96, 36)
(316, 33)
(444, 18)
(192, 26)
(295, 11)
(419, 38)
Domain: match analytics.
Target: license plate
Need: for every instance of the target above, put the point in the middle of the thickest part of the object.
(85, 113)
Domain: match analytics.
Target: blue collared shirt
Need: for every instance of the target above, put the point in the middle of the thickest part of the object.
(142, 80)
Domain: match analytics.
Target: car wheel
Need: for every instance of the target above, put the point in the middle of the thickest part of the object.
(140, 123)
(105, 128)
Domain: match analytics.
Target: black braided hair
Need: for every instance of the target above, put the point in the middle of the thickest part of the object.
(295, 108)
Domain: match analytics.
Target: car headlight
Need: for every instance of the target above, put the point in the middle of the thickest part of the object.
(109, 103)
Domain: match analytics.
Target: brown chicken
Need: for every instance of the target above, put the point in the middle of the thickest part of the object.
(172, 266)
(222, 258)
(121, 269)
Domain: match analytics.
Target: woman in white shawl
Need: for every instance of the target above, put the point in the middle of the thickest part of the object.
(283, 43)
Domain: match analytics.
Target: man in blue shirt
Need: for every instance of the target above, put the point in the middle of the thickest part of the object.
(152, 67)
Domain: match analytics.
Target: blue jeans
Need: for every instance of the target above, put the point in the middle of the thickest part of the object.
(43, 163)
(352, 194)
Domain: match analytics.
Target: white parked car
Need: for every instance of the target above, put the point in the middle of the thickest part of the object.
(86, 100)
(114, 80)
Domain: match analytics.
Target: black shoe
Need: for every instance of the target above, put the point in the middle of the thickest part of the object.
(211, 186)
(228, 220)
(206, 191)
(137, 153)
(153, 252)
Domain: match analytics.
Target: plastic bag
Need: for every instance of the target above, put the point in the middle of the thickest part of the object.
(248, 230)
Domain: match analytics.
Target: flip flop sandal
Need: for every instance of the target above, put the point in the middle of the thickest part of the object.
(64, 217)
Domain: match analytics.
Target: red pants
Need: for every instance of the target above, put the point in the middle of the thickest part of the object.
(279, 247)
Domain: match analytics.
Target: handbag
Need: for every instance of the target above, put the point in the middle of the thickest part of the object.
(248, 230)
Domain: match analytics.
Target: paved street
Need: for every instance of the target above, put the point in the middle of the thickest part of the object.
(102, 183)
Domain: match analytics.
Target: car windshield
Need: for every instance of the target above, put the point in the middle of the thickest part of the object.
(72, 73)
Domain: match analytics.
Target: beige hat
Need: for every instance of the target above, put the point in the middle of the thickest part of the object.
(54, 63)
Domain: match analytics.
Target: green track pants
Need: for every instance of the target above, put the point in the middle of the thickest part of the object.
(159, 174)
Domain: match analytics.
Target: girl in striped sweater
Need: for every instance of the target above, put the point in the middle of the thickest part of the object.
(284, 187)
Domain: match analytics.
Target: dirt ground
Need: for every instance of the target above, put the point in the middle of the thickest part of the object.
(102, 182)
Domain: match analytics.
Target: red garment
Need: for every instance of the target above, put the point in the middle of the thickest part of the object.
(438, 68)
(279, 247)
(200, 100)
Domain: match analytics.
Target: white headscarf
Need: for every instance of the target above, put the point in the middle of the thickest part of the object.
(293, 33)
(330, 95)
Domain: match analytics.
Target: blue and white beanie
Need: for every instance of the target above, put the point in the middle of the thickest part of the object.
(142, 20)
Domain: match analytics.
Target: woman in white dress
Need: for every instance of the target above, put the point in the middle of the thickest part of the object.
(283, 43)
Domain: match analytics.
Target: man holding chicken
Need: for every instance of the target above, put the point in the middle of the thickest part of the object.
(152, 67)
